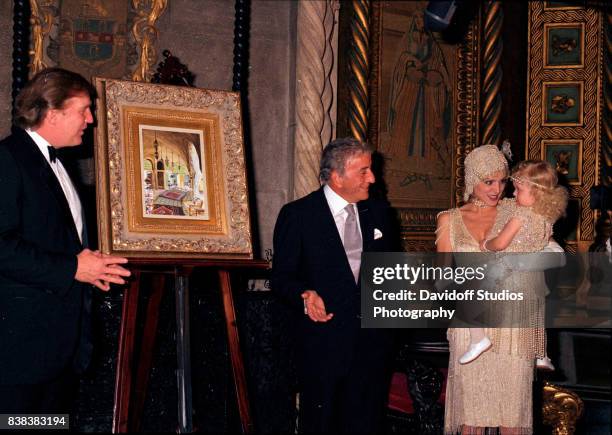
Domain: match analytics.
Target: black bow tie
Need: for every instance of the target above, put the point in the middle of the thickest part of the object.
(52, 154)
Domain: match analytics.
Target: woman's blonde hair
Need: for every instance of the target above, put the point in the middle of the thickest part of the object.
(550, 198)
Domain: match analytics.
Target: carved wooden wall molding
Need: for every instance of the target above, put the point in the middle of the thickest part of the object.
(145, 33)
(21, 41)
(581, 80)
(467, 126)
(359, 65)
(492, 72)
(315, 90)
(606, 151)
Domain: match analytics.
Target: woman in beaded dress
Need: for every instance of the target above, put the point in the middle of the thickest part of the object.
(495, 390)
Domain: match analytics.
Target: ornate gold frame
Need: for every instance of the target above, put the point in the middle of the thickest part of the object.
(143, 30)
(418, 224)
(123, 228)
(134, 116)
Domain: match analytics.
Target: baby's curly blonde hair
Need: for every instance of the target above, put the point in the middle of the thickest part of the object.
(550, 198)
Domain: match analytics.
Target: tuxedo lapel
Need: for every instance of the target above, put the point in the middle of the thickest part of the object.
(36, 164)
(325, 224)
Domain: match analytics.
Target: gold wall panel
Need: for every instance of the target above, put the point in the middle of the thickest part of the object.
(564, 99)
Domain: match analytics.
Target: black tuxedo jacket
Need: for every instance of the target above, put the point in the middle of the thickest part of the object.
(309, 255)
(44, 312)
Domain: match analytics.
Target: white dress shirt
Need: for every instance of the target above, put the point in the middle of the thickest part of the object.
(64, 180)
(336, 205)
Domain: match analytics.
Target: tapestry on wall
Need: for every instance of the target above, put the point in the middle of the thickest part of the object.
(423, 103)
(104, 38)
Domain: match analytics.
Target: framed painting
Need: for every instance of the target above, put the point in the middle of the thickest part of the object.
(423, 113)
(562, 103)
(564, 45)
(565, 155)
(171, 179)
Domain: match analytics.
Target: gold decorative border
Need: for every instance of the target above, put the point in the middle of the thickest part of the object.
(578, 142)
(591, 77)
(418, 225)
(131, 118)
(144, 31)
(546, 85)
(231, 236)
(547, 28)
(41, 19)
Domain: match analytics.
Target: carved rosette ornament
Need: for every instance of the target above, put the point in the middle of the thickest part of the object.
(316, 59)
(561, 408)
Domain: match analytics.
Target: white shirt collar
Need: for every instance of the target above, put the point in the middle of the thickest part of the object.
(41, 143)
(336, 202)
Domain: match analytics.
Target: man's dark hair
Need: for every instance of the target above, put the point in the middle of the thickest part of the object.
(49, 89)
(337, 153)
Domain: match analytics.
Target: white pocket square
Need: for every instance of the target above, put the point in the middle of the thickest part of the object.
(377, 234)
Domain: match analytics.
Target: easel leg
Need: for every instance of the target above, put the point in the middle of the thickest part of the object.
(145, 357)
(127, 331)
(235, 353)
(183, 354)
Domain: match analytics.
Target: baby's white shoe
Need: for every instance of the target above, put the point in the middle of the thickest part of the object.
(544, 364)
(475, 351)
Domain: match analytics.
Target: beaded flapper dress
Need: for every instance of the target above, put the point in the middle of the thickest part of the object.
(495, 390)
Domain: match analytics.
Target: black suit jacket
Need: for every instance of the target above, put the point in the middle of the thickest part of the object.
(44, 312)
(308, 254)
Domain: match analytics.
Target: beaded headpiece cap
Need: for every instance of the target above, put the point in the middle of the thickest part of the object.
(480, 163)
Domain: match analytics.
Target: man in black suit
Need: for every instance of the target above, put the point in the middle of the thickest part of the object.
(46, 270)
(318, 242)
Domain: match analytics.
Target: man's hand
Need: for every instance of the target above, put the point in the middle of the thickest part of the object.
(100, 269)
(314, 307)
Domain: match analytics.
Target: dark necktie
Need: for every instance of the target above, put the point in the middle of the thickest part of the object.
(52, 154)
(352, 241)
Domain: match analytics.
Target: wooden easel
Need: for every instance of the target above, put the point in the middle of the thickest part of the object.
(130, 394)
